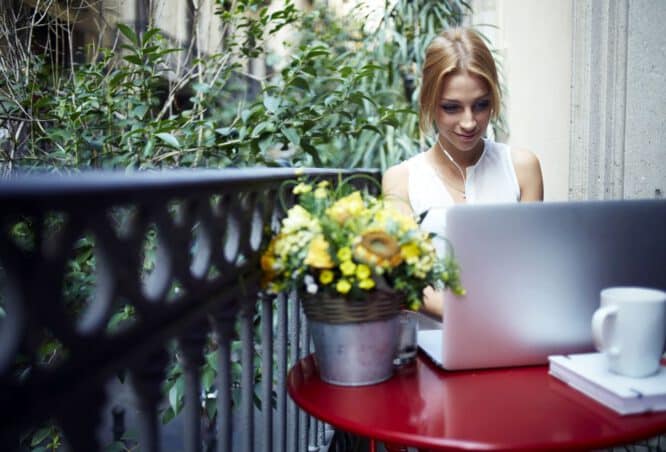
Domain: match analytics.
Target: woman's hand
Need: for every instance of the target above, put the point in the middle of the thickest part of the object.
(433, 302)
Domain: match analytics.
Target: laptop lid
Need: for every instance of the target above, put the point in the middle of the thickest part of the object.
(533, 273)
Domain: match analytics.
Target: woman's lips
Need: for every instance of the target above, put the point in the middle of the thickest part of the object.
(466, 137)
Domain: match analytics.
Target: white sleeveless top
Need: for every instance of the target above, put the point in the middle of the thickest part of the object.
(491, 180)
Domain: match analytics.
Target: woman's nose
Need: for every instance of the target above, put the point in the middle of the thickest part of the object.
(468, 122)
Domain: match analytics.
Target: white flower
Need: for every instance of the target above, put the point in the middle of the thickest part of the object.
(310, 285)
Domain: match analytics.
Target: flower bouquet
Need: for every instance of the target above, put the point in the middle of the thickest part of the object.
(356, 259)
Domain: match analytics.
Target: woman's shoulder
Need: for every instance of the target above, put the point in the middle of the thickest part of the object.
(395, 178)
(524, 159)
(528, 172)
(400, 171)
(396, 170)
(520, 157)
(396, 181)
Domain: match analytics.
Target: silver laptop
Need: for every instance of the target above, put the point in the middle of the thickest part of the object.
(533, 273)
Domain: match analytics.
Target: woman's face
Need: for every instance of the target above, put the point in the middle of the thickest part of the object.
(463, 112)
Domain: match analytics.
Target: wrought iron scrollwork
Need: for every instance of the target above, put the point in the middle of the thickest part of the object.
(205, 230)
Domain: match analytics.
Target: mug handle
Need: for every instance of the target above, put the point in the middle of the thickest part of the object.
(600, 329)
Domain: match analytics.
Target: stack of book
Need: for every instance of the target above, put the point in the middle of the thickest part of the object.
(589, 374)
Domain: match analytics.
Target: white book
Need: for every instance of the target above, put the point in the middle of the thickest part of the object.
(589, 374)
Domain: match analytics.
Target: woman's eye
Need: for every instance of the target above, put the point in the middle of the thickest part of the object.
(483, 105)
(450, 108)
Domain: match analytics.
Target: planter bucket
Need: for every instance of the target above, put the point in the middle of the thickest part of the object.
(355, 354)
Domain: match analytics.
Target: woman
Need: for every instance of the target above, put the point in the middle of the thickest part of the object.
(459, 95)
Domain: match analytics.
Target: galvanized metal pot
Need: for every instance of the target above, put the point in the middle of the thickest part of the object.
(355, 354)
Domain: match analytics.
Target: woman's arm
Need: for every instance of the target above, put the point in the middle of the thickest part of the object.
(528, 171)
(394, 187)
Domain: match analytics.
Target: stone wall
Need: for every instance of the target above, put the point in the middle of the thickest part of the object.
(618, 100)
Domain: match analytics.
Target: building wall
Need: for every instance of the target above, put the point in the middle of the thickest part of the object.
(619, 101)
(645, 128)
(584, 84)
(533, 40)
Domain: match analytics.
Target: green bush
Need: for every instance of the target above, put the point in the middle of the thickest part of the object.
(344, 98)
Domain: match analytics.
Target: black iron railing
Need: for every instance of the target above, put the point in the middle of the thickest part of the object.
(180, 250)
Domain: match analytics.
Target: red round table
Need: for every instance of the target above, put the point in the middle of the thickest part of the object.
(520, 408)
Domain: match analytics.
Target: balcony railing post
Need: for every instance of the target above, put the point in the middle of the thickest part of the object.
(147, 379)
(223, 326)
(247, 373)
(281, 356)
(192, 345)
(267, 372)
(294, 354)
(80, 418)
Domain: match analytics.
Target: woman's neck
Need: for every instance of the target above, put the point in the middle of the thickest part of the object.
(462, 159)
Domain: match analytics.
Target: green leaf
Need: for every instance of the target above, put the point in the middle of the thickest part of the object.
(211, 359)
(312, 151)
(133, 59)
(300, 82)
(272, 103)
(262, 127)
(129, 33)
(345, 71)
(292, 135)
(168, 415)
(176, 394)
(318, 51)
(139, 111)
(211, 408)
(169, 140)
(245, 115)
(148, 149)
(40, 435)
(208, 378)
(330, 100)
(150, 34)
(202, 88)
(3, 314)
(116, 446)
(115, 321)
(371, 127)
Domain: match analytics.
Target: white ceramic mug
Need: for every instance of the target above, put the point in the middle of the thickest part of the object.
(630, 328)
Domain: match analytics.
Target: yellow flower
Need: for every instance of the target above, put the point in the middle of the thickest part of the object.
(326, 277)
(388, 213)
(302, 188)
(268, 263)
(348, 268)
(410, 250)
(324, 184)
(320, 193)
(297, 218)
(344, 254)
(344, 208)
(343, 286)
(318, 256)
(366, 284)
(406, 222)
(377, 248)
(362, 271)
(268, 258)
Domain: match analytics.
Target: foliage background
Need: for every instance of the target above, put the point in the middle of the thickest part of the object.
(345, 97)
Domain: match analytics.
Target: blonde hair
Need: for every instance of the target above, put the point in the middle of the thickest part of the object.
(455, 50)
